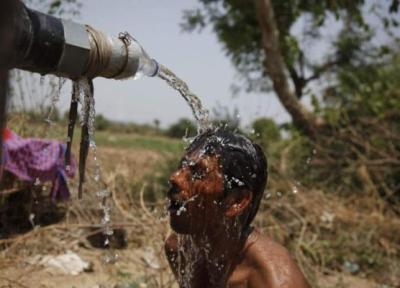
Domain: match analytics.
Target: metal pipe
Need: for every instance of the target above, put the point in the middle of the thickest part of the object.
(6, 56)
(49, 45)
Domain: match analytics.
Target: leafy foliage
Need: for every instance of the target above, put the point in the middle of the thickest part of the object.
(102, 123)
(265, 131)
(236, 26)
(360, 147)
(182, 128)
(65, 8)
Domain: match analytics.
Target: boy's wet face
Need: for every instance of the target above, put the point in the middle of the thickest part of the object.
(195, 194)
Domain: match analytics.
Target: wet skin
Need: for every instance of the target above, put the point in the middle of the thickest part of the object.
(208, 226)
(196, 185)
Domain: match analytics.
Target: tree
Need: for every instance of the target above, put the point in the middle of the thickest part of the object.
(362, 148)
(265, 131)
(68, 8)
(257, 36)
(182, 128)
(101, 122)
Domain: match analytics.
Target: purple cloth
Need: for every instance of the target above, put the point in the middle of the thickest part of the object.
(31, 159)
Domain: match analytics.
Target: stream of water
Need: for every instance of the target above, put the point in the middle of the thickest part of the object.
(84, 87)
(88, 115)
(199, 112)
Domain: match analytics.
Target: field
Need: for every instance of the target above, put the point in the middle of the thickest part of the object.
(337, 241)
(315, 83)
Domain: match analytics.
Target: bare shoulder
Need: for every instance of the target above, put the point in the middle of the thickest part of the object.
(171, 251)
(272, 265)
(171, 243)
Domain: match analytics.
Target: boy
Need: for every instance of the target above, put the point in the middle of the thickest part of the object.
(215, 194)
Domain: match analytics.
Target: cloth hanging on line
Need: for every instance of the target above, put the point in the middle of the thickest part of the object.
(32, 160)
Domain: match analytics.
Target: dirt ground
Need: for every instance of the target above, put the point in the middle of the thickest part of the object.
(124, 273)
(141, 263)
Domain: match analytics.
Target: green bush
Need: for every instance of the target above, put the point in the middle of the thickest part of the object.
(102, 123)
(183, 128)
(265, 131)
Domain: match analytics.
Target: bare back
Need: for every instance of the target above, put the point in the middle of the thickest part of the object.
(266, 264)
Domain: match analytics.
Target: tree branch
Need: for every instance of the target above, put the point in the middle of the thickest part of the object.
(322, 69)
(298, 81)
(275, 68)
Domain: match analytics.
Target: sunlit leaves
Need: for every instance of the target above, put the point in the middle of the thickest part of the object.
(235, 24)
(65, 8)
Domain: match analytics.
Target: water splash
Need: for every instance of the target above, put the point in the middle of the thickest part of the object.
(88, 114)
(86, 132)
(37, 182)
(200, 114)
(72, 117)
(183, 209)
(41, 80)
(295, 188)
(90, 117)
(32, 220)
(105, 224)
(187, 258)
(55, 97)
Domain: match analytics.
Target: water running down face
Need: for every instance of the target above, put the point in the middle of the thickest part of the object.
(222, 174)
(196, 193)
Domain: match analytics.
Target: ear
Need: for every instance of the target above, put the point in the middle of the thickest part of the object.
(237, 201)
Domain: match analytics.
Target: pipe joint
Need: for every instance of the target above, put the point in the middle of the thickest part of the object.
(50, 45)
(74, 59)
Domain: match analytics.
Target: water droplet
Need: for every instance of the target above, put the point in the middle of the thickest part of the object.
(105, 219)
(103, 193)
(31, 219)
(351, 267)
(110, 258)
(181, 210)
(48, 121)
(108, 231)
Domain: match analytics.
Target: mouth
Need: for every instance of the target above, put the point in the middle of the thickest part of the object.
(175, 205)
(174, 202)
(179, 207)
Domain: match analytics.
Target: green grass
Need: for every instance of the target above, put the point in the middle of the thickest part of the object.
(135, 141)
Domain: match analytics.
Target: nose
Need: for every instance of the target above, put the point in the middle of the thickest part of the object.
(173, 190)
(177, 181)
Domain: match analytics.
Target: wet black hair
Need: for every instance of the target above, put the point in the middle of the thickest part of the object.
(243, 162)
